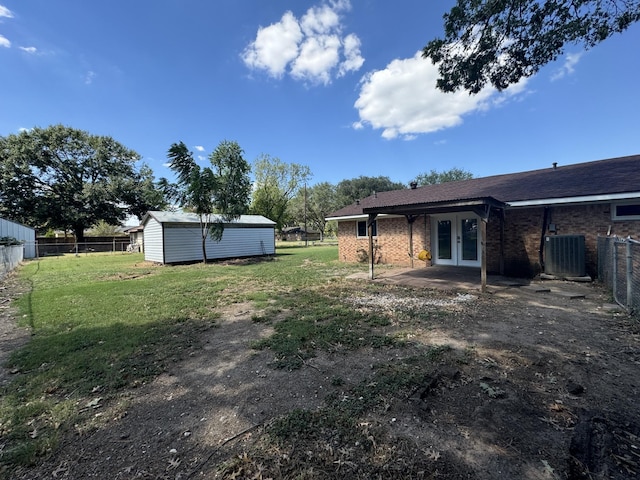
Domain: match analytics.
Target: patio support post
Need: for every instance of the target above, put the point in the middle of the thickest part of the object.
(372, 218)
(411, 219)
(484, 219)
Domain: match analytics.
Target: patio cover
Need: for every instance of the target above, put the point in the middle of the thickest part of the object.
(480, 206)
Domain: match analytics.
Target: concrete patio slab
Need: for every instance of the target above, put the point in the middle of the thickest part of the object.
(463, 278)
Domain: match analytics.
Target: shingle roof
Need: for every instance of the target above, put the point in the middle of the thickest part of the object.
(602, 177)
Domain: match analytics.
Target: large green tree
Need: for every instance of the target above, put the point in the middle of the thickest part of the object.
(313, 205)
(499, 42)
(348, 191)
(276, 183)
(144, 193)
(218, 194)
(63, 178)
(434, 176)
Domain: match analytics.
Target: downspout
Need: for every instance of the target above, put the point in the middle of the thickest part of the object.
(484, 220)
(372, 218)
(545, 220)
(483, 252)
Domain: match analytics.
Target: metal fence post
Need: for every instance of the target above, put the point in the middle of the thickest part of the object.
(614, 273)
(629, 276)
(608, 270)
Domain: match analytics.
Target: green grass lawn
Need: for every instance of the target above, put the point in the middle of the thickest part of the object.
(105, 323)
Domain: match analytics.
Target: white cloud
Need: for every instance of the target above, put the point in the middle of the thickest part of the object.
(568, 67)
(275, 46)
(318, 56)
(311, 49)
(319, 21)
(353, 59)
(29, 49)
(5, 12)
(199, 148)
(402, 100)
(88, 79)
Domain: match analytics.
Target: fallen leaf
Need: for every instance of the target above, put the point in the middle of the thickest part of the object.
(95, 403)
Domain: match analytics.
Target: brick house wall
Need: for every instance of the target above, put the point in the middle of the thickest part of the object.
(522, 235)
(522, 232)
(391, 245)
(523, 229)
(493, 243)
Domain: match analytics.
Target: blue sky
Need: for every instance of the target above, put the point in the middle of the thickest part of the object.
(335, 85)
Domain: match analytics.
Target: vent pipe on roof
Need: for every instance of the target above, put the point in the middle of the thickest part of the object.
(555, 165)
(413, 185)
(358, 201)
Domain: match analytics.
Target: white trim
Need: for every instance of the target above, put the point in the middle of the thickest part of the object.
(622, 218)
(349, 217)
(363, 216)
(582, 199)
(367, 230)
(456, 246)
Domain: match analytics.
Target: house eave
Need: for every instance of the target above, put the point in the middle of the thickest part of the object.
(362, 216)
(437, 207)
(575, 200)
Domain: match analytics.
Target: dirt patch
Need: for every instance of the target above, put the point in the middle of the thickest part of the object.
(536, 385)
(12, 337)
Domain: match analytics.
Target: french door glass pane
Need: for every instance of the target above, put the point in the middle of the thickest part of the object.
(469, 229)
(444, 239)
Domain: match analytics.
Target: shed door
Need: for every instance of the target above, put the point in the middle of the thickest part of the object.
(456, 240)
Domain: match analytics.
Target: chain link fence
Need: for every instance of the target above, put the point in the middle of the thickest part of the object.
(44, 249)
(10, 257)
(619, 269)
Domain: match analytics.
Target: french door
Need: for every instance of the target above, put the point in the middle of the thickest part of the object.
(455, 239)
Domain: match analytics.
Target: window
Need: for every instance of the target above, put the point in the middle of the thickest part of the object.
(362, 228)
(626, 211)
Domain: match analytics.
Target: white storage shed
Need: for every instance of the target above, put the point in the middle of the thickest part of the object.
(26, 235)
(172, 237)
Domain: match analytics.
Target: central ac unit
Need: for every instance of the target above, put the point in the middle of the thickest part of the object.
(564, 255)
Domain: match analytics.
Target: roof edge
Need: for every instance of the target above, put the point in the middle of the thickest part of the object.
(189, 218)
(579, 199)
(362, 216)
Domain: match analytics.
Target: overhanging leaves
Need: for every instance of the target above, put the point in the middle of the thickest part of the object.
(500, 42)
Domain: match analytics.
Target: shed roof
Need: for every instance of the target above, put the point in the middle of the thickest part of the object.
(602, 179)
(181, 217)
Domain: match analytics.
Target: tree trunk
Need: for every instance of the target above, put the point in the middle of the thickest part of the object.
(204, 249)
(204, 231)
(78, 231)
